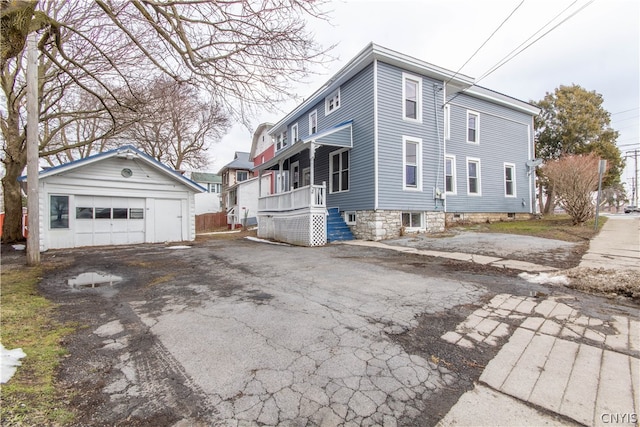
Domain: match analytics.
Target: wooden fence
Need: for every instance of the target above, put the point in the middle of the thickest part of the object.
(210, 222)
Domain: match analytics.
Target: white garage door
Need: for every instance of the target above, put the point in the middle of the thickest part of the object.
(109, 220)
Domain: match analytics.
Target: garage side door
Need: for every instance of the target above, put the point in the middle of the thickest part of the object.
(168, 220)
(108, 221)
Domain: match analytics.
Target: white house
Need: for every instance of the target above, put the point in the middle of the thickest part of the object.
(117, 197)
(210, 200)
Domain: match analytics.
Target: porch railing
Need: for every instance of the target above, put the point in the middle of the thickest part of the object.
(303, 197)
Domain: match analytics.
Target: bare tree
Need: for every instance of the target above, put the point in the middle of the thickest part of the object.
(173, 125)
(244, 54)
(574, 179)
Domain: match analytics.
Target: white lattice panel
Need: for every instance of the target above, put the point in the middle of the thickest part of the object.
(318, 230)
(302, 228)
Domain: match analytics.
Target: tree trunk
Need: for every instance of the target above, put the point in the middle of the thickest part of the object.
(550, 202)
(12, 227)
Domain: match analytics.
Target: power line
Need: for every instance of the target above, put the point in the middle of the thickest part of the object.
(625, 111)
(512, 55)
(485, 42)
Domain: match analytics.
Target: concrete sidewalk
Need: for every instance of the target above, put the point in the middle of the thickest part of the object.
(617, 246)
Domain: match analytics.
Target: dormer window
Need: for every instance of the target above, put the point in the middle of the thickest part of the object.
(332, 102)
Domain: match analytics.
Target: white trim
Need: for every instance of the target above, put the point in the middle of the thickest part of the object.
(532, 176)
(477, 129)
(506, 100)
(451, 157)
(331, 155)
(295, 135)
(447, 122)
(313, 113)
(418, 142)
(375, 134)
(337, 102)
(479, 177)
(513, 179)
(418, 80)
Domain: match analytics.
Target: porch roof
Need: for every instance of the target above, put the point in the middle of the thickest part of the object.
(337, 136)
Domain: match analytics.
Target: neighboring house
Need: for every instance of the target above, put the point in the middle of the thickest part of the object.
(238, 170)
(262, 147)
(210, 200)
(117, 197)
(394, 144)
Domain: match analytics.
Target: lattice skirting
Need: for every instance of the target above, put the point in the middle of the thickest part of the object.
(303, 229)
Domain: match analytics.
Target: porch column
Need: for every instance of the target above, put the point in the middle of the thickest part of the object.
(312, 157)
(259, 183)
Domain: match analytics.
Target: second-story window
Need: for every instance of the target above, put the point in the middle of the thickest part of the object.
(294, 133)
(242, 176)
(412, 98)
(332, 102)
(473, 127)
(313, 122)
(281, 140)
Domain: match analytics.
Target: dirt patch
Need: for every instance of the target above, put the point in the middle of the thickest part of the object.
(610, 283)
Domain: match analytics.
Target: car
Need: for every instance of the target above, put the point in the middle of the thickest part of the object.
(631, 208)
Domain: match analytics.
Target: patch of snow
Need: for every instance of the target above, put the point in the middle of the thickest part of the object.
(19, 247)
(255, 239)
(9, 362)
(179, 247)
(545, 278)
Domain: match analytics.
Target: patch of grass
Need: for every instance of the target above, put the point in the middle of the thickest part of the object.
(30, 397)
(162, 279)
(557, 227)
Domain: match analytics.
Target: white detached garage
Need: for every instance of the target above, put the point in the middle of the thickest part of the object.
(117, 197)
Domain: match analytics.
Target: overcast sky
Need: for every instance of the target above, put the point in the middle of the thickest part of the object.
(598, 48)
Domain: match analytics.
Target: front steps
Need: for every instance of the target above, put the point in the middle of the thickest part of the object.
(337, 229)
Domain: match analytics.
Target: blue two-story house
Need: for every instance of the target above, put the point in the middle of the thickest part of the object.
(393, 144)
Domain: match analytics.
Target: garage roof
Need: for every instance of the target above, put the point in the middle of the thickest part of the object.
(126, 152)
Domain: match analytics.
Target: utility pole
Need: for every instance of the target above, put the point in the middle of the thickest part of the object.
(33, 238)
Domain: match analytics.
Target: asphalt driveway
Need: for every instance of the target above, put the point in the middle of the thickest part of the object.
(237, 332)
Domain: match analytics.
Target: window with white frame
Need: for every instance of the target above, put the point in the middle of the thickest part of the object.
(447, 121)
(339, 171)
(412, 160)
(450, 174)
(294, 133)
(313, 122)
(58, 211)
(412, 97)
(473, 127)
(281, 140)
(412, 220)
(332, 102)
(509, 180)
(473, 177)
(350, 218)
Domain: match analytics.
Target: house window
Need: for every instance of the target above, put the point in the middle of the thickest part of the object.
(332, 102)
(313, 122)
(473, 127)
(294, 133)
(306, 177)
(473, 176)
(339, 165)
(509, 180)
(350, 218)
(59, 211)
(412, 220)
(447, 121)
(412, 156)
(242, 176)
(103, 213)
(450, 174)
(412, 96)
(281, 140)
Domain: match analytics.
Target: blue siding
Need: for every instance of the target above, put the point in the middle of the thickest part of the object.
(392, 128)
(504, 137)
(356, 103)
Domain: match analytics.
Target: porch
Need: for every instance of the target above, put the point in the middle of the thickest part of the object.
(297, 216)
(296, 212)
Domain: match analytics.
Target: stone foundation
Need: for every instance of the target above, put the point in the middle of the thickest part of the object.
(453, 218)
(381, 224)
